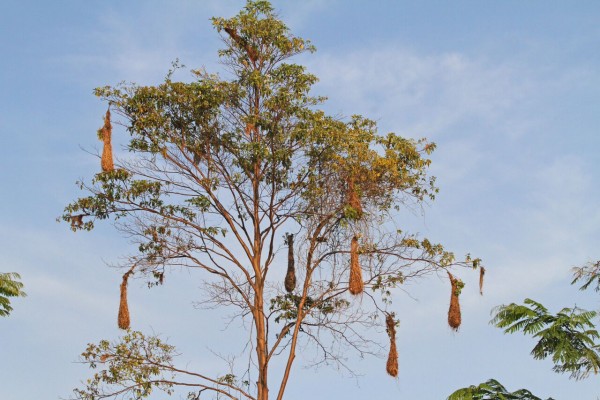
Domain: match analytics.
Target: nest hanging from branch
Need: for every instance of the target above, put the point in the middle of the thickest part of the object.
(250, 129)
(392, 361)
(197, 158)
(201, 152)
(290, 277)
(105, 134)
(124, 320)
(356, 284)
(76, 221)
(454, 316)
(353, 198)
(243, 43)
(481, 274)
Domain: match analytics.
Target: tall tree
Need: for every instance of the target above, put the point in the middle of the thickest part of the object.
(219, 170)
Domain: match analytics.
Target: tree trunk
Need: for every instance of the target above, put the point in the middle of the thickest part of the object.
(259, 315)
(261, 346)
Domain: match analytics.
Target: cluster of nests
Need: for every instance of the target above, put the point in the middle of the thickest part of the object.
(107, 165)
(355, 284)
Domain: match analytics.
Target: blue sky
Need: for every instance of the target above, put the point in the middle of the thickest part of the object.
(508, 90)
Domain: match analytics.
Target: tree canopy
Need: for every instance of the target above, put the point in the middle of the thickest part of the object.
(289, 215)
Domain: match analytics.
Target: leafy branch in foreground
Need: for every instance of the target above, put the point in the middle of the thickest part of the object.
(9, 287)
(491, 390)
(569, 336)
(137, 365)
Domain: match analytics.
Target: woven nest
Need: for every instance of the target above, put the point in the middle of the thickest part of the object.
(481, 274)
(250, 128)
(356, 284)
(353, 198)
(290, 277)
(76, 221)
(392, 361)
(105, 135)
(124, 320)
(252, 53)
(454, 317)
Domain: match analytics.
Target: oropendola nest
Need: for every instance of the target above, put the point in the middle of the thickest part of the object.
(356, 284)
(105, 134)
(392, 361)
(354, 199)
(243, 43)
(481, 274)
(124, 320)
(290, 277)
(76, 221)
(454, 317)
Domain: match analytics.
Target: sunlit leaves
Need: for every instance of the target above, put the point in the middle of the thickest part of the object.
(258, 37)
(286, 307)
(134, 366)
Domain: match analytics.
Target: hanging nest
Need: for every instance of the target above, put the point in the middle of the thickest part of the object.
(481, 274)
(243, 43)
(454, 317)
(250, 128)
(290, 277)
(356, 284)
(76, 221)
(392, 361)
(354, 199)
(124, 320)
(105, 134)
(200, 150)
(197, 158)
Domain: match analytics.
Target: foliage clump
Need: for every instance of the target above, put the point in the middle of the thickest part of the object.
(569, 337)
(492, 390)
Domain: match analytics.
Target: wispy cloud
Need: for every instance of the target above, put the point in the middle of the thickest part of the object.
(528, 208)
(426, 94)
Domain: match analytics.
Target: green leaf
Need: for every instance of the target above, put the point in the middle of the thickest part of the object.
(491, 390)
(568, 337)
